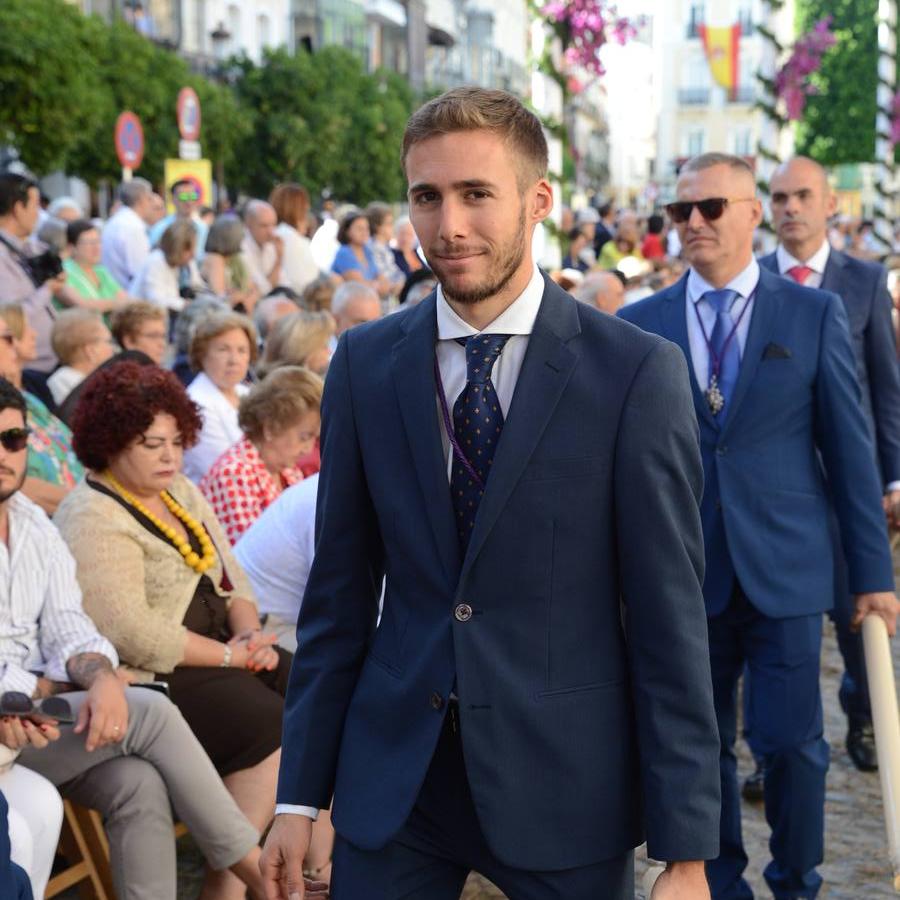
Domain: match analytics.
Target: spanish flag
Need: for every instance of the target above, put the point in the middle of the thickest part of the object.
(722, 46)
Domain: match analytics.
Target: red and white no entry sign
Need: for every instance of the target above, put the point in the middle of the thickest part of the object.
(129, 140)
(188, 110)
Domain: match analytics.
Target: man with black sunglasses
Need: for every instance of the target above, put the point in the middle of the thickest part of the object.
(775, 391)
(802, 203)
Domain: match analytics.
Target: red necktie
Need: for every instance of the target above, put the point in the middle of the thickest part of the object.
(800, 273)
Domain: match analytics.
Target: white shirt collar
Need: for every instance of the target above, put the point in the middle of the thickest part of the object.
(517, 318)
(744, 282)
(816, 262)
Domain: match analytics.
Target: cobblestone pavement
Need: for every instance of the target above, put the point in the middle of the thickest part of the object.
(856, 861)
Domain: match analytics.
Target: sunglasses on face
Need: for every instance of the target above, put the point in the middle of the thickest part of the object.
(14, 440)
(711, 208)
(186, 196)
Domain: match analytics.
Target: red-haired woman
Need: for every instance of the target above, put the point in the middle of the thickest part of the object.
(160, 581)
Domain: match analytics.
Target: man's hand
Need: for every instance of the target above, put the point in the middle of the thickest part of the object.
(17, 733)
(682, 881)
(891, 503)
(281, 863)
(104, 712)
(883, 603)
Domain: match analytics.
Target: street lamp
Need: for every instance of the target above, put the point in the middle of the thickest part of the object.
(221, 38)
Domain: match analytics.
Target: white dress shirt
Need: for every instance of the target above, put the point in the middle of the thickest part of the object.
(816, 262)
(517, 320)
(62, 382)
(277, 550)
(220, 426)
(42, 623)
(745, 285)
(125, 244)
(259, 262)
(159, 283)
(298, 268)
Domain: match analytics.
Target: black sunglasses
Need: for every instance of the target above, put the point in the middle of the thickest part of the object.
(50, 710)
(711, 208)
(14, 439)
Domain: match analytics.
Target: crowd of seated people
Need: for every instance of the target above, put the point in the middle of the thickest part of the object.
(192, 439)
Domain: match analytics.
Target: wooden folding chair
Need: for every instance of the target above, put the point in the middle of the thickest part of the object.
(83, 869)
(91, 823)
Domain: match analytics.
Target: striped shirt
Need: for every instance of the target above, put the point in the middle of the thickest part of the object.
(42, 624)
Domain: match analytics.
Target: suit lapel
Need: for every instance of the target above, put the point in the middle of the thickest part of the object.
(766, 305)
(674, 328)
(833, 274)
(413, 370)
(546, 369)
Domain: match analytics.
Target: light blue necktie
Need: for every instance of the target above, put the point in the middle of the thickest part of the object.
(729, 355)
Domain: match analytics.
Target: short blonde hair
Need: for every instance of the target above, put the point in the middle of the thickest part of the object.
(180, 235)
(14, 316)
(210, 327)
(293, 338)
(483, 109)
(73, 330)
(127, 320)
(279, 401)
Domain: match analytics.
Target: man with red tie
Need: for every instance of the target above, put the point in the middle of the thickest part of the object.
(802, 203)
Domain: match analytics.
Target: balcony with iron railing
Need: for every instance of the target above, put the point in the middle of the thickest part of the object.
(694, 96)
(485, 66)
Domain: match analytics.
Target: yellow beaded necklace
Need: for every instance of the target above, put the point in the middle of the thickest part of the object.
(197, 563)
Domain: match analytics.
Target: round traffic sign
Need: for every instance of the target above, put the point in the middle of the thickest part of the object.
(129, 140)
(188, 110)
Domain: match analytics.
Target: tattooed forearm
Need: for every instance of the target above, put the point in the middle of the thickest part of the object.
(84, 668)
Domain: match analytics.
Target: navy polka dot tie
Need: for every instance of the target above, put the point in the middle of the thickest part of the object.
(477, 423)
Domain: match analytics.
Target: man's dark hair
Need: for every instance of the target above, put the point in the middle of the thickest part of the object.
(76, 229)
(182, 182)
(11, 398)
(655, 224)
(575, 233)
(14, 189)
(605, 210)
(620, 275)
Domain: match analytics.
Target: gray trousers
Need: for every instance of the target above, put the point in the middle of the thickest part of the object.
(135, 785)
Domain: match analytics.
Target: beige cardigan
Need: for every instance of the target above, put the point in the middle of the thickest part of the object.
(136, 586)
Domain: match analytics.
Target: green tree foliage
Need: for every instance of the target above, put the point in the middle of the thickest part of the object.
(839, 123)
(320, 119)
(49, 85)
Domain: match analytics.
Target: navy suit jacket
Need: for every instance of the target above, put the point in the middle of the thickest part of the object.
(583, 674)
(765, 507)
(862, 285)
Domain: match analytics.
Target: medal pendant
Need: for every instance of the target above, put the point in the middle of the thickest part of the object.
(714, 398)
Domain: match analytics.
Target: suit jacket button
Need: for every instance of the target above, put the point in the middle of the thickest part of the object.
(463, 612)
(437, 701)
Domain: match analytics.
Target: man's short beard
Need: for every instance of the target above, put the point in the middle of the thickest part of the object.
(508, 263)
(5, 495)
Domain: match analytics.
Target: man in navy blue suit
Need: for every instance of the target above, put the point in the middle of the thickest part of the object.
(775, 389)
(802, 202)
(524, 474)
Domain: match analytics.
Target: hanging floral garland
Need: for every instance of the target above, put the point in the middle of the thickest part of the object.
(792, 84)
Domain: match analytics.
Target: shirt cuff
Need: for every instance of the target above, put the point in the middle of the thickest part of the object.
(893, 486)
(15, 679)
(289, 809)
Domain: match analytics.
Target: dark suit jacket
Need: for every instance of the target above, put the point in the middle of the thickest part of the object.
(765, 508)
(583, 675)
(862, 285)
